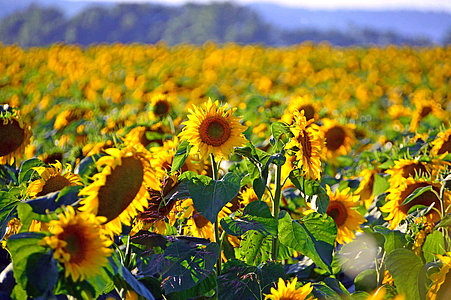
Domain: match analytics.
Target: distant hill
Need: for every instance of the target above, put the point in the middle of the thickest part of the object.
(410, 23)
(55, 21)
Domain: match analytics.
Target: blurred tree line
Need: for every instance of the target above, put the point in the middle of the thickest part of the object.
(191, 23)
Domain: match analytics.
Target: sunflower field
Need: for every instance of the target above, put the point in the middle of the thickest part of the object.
(225, 172)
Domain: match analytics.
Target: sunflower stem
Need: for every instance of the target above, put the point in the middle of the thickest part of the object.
(443, 213)
(276, 209)
(214, 168)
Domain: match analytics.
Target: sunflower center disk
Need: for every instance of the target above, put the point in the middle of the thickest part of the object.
(75, 239)
(337, 211)
(54, 184)
(214, 131)
(425, 199)
(309, 111)
(11, 137)
(412, 170)
(200, 220)
(425, 111)
(120, 188)
(335, 138)
(306, 146)
(446, 146)
(161, 108)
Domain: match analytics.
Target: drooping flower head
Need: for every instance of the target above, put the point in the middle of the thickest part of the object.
(289, 291)
(398, 194)
(79, 243)
(53, 179)
(442, 143)
(119, 192)
(212, 128)
(308, 144)
(15, 135)
(348, 220)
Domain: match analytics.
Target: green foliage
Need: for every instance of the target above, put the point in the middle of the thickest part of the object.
(35, 270)
(314, 236)
(407, 271)
(209, 196)
(180, 156)
(241, 281)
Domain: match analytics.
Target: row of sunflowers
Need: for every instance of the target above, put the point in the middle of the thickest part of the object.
(225, 172)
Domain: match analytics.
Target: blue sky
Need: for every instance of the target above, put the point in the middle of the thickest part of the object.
(429, 5)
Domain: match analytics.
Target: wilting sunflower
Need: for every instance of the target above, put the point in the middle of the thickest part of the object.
(348, 220)
(79, 243)
(365, 189)
(213, 129)
(119, 192)
(442, 143)
(15, 135)
(405, 168)
(441, 285)
(160, 106)
(398, 194)
(308, 145)
(305, 103)
(338, 138)
(159, 208)
(53, 179)
(289, 291)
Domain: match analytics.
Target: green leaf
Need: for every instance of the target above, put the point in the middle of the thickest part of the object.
(27, 215)
(307, 186)
(281, 130)
(405, 267)
(366, 281)
(394, 239)
(434, 244)
(26, 169)
(184, 266)
(445, 222)
(255, 247)
(34, 268)
(418, 192)
(314, 236)
(320, 203)
(241, 281)
(256, 216)
(210, 196)
(180, 155)
(380, 185)
(8, 205)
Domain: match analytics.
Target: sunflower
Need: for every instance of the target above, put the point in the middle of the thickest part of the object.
(289, 291)
(53, 179)
(160, 106)
(398, 194)
(348, 220)
(305, 103)
(441, 281)
(15, 135)
(442, 143)
(338, 138)
(79, 243)
(365, 189)
(423, 108)
(213, 129)
(119, 192)
(158, 209)
(308, 144)
(248, 195)
(13, 227)
(405, 168)
(146, 135)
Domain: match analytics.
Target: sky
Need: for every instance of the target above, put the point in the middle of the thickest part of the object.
(428, 5)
